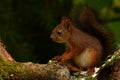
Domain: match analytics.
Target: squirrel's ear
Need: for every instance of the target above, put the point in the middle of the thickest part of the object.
(67, 24)
(63, 18)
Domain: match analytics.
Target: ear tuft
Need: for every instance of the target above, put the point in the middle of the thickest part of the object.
(66, 22)
(64, 18)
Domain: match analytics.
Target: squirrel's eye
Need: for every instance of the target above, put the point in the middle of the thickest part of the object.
(59, 32)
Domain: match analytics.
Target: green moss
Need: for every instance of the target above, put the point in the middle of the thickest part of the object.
(1, 59)
(7, 69)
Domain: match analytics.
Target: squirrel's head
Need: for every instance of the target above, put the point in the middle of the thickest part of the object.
(62, 32)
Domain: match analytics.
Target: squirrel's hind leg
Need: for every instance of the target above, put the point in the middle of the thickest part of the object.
(74, 68)
(90, 70)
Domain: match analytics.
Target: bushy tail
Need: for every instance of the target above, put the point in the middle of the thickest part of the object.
(85, 19)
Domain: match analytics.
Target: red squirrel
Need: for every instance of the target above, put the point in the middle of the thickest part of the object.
(83, 50)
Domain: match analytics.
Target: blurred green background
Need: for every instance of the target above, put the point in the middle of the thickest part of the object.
(25, 25)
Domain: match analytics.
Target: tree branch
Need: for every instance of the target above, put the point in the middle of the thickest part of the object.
(12, 70)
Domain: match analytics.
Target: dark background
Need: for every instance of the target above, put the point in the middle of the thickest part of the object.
(25, 25)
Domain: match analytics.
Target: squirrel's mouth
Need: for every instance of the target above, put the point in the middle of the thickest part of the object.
(56, 39)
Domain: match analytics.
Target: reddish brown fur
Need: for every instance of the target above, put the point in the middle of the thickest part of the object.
(80, 47)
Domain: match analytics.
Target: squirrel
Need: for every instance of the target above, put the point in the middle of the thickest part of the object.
(87, 42)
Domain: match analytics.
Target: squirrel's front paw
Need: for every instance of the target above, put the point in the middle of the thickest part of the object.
(62, 61)
(57, 58)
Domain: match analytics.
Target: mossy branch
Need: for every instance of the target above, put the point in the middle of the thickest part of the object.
(32, 71)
